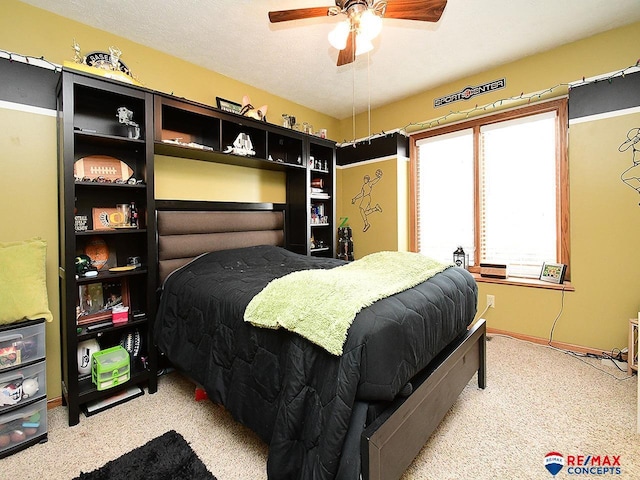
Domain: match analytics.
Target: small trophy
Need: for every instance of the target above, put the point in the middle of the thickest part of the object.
(125, 116)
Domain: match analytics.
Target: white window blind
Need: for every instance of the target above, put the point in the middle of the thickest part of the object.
(516, 174)
(518, 193)
(445, 195)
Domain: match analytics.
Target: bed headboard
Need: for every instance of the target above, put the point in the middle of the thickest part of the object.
(186, 229)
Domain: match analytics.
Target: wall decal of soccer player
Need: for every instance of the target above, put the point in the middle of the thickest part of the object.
(365, 199)
(631, 176)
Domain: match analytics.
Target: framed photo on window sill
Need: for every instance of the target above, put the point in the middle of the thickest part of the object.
(553, 272)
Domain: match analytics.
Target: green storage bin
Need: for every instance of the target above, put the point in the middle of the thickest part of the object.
(110, 367)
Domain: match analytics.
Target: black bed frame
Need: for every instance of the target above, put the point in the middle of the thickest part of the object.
(392, 441)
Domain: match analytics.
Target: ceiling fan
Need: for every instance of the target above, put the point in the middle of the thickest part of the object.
(364, 20)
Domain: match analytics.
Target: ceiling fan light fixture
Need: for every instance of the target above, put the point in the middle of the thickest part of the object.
(338, 36)
(363, 45)
(364, 20)
(370, 24)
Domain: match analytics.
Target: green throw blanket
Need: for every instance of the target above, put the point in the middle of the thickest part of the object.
(320, 305)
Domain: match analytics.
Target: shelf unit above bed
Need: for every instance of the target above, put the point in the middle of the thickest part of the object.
(191, 130)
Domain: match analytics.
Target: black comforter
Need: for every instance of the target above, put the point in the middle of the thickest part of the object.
(292, 393)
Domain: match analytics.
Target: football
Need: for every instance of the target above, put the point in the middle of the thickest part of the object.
(131, 343)
(109, 168)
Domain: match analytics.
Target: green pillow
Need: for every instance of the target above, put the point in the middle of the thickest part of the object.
(23, 286)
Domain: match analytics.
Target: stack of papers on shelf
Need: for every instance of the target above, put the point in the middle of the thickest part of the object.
(318, 193)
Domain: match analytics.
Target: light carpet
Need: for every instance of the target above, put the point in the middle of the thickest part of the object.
(537, 401)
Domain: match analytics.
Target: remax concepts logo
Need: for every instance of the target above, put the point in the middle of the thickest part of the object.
(583, 464)
(553, 461)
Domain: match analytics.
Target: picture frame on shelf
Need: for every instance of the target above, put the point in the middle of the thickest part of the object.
(101, 217)
(95, 300)
(228, 105)
(553, 272)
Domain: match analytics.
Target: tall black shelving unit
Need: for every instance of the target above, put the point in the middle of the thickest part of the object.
(88, 126)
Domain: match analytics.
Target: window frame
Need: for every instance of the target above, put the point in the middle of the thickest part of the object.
(560, 107)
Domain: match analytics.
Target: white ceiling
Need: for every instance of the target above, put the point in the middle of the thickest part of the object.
(295, 61)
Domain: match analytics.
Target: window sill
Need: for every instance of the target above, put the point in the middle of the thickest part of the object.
(525, 282)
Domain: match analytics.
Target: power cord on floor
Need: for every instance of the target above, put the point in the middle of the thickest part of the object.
(581, 356)
(578, 356)
(557, 317)
(591, 355)
(614, 357)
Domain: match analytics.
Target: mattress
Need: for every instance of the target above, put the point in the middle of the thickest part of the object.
(296, 396)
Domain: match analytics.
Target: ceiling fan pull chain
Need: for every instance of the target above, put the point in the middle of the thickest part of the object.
(369, 91)
(353, 107)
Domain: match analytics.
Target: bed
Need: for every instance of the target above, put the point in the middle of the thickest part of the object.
(365, 412)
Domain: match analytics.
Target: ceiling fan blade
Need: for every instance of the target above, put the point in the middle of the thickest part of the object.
(421, 10)
(298, 14)
(348, 53)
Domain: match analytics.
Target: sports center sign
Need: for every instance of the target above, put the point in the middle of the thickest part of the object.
(470, 92)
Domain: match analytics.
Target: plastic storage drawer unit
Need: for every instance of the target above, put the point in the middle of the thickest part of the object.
(110, 367)
(21, 385)
(26, 425)
(21, 345)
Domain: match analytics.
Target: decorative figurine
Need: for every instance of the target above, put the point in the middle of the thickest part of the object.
(125, 116)
(77, 54)
(241, 146)
(115, 53)
(250, 111)
(288, 121)
(109, 63)
(345, 242)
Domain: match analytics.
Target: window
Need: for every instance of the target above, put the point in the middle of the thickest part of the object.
(497, 186)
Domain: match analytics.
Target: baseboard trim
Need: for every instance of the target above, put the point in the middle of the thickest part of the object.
(545, 341)
(54, 402)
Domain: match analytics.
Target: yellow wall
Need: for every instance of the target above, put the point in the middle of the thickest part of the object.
(193, 180)
(382, 200)
(605, 226)
(29, 204)
(606, 52)
(389, 227)
(605, 216)
(589, 318)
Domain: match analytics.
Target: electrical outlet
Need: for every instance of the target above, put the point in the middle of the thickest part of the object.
(491, 301)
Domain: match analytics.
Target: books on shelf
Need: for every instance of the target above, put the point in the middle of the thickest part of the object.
(318, 215)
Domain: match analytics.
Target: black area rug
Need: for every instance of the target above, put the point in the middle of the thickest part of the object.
(168, 457)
